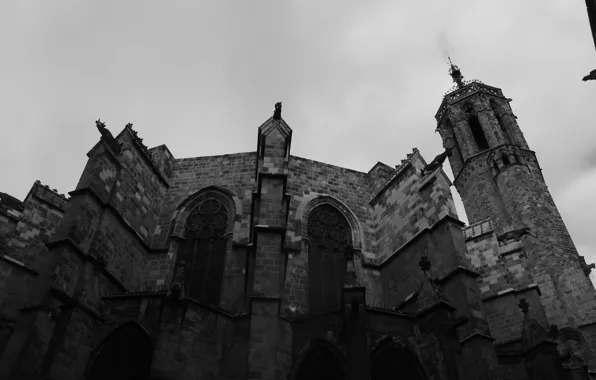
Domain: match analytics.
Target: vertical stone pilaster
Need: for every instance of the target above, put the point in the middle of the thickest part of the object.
(270, 213)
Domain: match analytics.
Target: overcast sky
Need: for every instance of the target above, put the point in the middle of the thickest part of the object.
(360, 82)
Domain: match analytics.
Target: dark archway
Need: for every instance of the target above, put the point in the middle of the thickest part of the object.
(125, 354)
(330, 239)
(392, 361)
(320, 362)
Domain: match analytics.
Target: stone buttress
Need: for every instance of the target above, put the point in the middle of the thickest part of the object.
(268, 229)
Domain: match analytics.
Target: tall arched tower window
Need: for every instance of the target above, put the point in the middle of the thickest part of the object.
(205, 250)
(476, 128)
(330, 241)
(495, 107)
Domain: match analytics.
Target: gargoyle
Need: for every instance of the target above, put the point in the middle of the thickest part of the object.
(591, 76)
(587, 268)
(101, 127)
(514, 235)
(277, 112)
(107, 136)
(437, 162)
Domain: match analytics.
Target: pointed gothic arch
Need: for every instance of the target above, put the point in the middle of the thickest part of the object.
(229, 199)
(329, 246)
(312, 201)
(452, 135)
(495, 108)
(125, 353)
(393, 360)
(476, 128)
(206, 224)
(320, 360)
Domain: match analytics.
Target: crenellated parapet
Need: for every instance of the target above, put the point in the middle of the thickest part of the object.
(50, 196)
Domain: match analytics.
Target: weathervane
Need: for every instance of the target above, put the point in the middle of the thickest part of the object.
(455, 73)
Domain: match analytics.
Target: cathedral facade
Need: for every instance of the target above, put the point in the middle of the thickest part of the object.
(264, 265)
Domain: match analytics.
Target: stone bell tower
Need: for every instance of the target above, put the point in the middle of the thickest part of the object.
(498, 177)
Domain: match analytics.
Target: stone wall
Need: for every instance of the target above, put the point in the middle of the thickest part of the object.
(407, 204)
(24, 229)
(501, 266)
(233, 172)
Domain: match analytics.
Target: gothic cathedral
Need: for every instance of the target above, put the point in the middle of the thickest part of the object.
(268, 266)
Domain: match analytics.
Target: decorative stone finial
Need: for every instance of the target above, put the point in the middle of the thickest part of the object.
(455, 73)
(100, 124)
(524, 305)
(277, 112)
(107, 136)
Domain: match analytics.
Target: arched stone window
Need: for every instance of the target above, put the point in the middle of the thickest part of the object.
(125, 354)
(330, 240)
(476, 128)
(495, 107)
(205, 249)
(391, 361)
(459, 153)
(320, 363)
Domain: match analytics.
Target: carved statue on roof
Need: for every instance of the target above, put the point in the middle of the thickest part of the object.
(107, 136)
(277, 112)
(101, 127)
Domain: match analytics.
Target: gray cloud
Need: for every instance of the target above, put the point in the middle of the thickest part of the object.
(360, 82)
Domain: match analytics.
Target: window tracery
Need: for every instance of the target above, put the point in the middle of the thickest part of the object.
(205, 250)
(330, 247)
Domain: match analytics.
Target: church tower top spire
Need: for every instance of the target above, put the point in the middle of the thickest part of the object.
(455, 73)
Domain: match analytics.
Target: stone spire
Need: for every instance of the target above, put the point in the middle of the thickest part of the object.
(455, 73)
